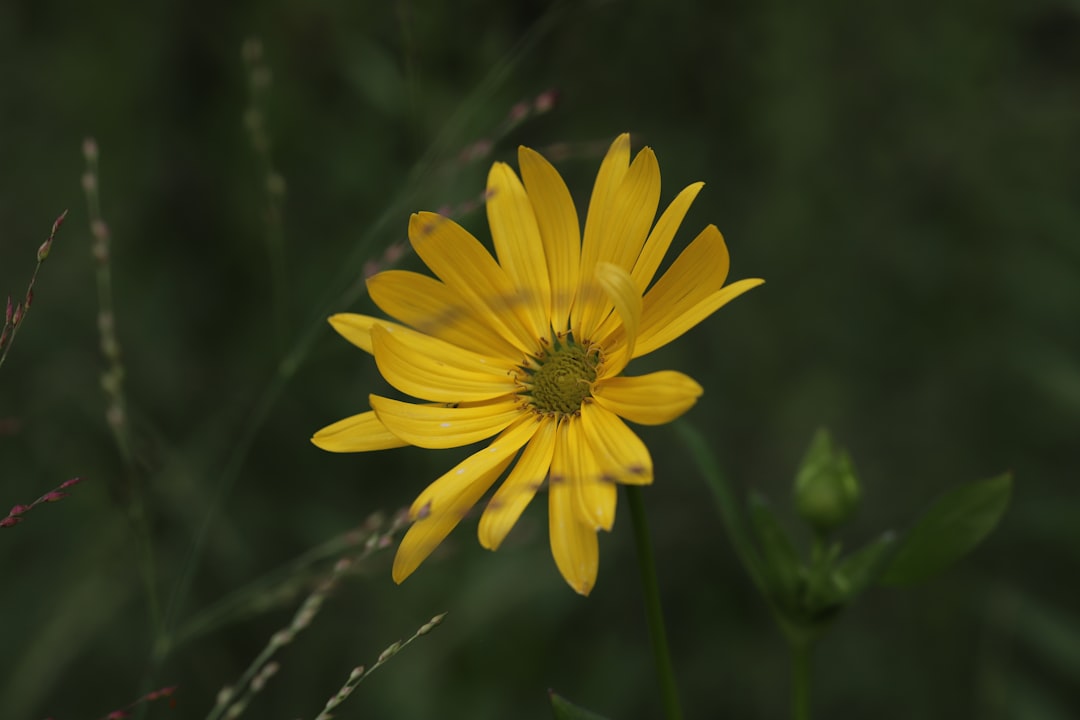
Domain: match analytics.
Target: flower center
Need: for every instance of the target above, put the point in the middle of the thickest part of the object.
(563, 379)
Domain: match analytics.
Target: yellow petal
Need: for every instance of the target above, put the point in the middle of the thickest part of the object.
(433, 309)
(442, 505)
(698, 273)
(601, 208)
(517, 491)
(620, 454)
(624, 228)
(449, 353)
(681, 318)
(358, 433)
(357, 328)
(509, 441)
(573, 542)
(632, 212)
(661, 236)
(613, 169)
(624, 295)
(593, 490)
(516, 237)
(655, 248)
(652, 399)
(413, 364)
(460, 261)
(438, 426)
(557, 219)
(429, 530)
(699, 270)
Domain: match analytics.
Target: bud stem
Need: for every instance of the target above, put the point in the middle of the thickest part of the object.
(800, 679)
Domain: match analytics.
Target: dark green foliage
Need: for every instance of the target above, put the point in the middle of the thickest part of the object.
(903, 175)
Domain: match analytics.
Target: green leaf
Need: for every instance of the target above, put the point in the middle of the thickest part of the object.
(566, 710)
(858, 570)
(949, 530)
(780, 563)
(727, 502)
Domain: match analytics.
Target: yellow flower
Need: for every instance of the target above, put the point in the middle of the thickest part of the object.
(530, 346)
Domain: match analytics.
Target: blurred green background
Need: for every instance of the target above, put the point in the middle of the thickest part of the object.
(906, 177)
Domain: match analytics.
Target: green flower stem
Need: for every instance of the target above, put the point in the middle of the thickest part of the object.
(800, 679)
(657, 634)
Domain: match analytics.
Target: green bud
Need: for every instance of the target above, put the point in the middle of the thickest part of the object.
(826, 490)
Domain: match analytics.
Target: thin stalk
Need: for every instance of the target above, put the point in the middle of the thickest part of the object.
(112, 381)
(14, 317)
(800, 679)
(259, 81)
(665, 673)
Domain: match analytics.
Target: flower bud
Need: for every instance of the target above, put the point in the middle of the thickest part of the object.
(826, 490)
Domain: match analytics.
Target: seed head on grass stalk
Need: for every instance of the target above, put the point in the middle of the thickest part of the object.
(360, 673)
(233, 700)
(131, 708)
(15, 515)
(15, 313)
(530, 347)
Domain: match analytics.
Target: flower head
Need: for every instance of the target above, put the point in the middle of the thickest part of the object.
(529, 346)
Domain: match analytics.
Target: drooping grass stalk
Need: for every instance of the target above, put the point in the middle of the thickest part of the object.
(15, 315)
(16, 513)
(112, 381)
(136, 706)
(360, 673)
(233, 700)
(665, 672)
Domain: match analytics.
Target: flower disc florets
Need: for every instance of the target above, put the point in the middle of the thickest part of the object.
(562, 379)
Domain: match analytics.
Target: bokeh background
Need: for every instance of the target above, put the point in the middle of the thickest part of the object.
(906, 176)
